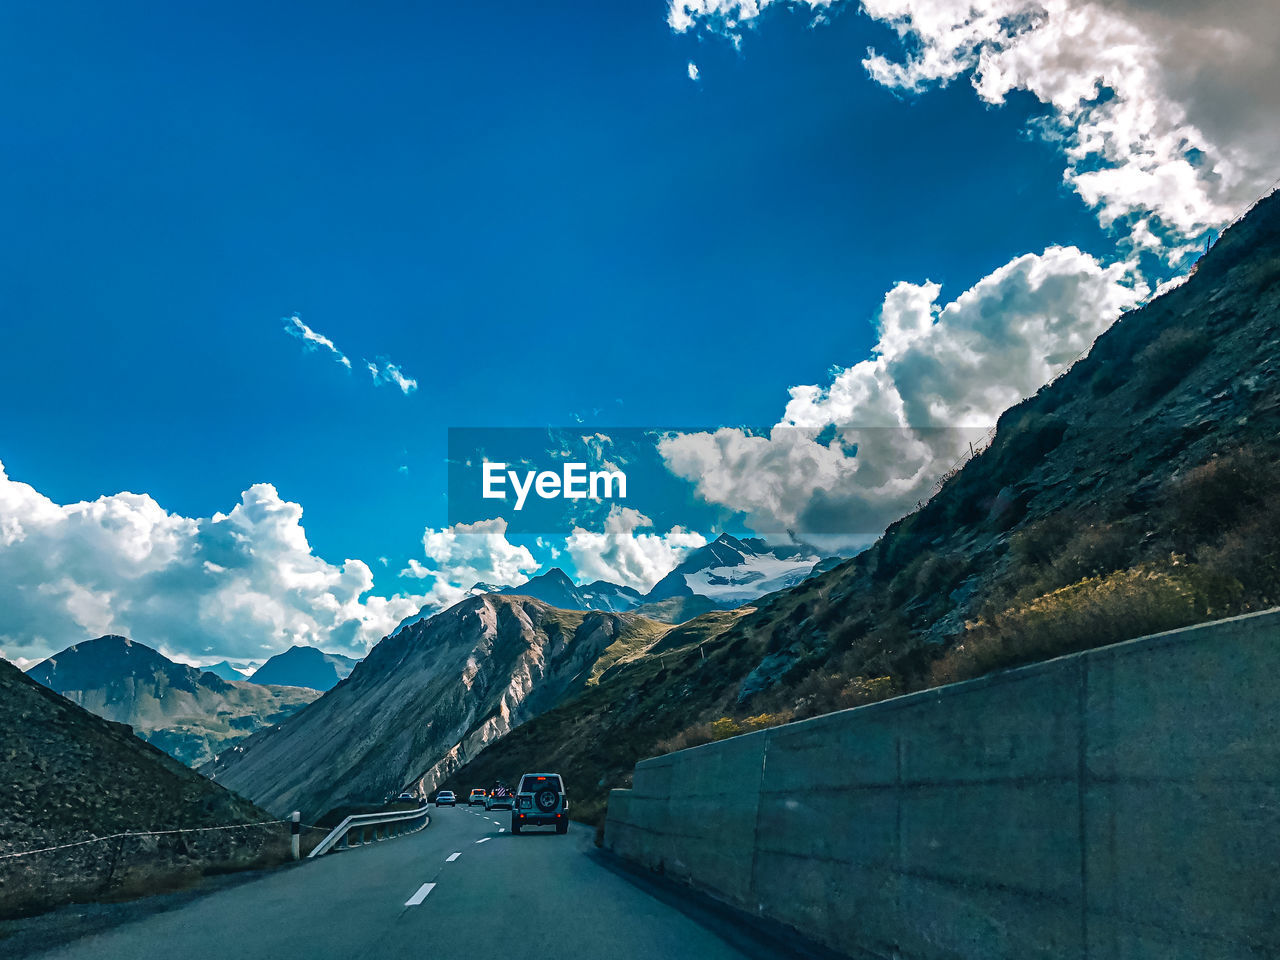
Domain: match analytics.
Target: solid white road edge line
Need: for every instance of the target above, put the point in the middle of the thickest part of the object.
(421, 895)
(452, 857)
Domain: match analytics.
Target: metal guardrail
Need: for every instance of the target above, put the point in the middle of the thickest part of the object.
(383, 826)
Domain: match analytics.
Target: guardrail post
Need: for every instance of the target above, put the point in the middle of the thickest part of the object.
(295, 834)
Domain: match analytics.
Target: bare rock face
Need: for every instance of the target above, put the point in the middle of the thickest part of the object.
(425, 701)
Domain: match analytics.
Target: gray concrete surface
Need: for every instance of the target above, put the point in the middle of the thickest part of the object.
(535, 895)
(1120, 803)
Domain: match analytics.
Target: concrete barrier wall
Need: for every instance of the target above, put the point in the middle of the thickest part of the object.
(1119, 803)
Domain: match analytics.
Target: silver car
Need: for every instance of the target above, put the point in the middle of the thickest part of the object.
(541, 802)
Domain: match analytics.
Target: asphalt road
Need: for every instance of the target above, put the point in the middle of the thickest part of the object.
(462, 888)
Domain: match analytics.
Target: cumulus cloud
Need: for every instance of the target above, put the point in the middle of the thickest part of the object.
(621, 555)
(693, 71)
(480, 551)
(243, 584)
(851, 457)
(1164, 111)
(460, 556)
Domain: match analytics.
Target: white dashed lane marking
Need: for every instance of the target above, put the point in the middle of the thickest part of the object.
(452, 857)
(421, 895)
(484, 840)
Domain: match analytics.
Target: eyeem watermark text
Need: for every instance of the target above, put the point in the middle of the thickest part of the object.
(573, 482)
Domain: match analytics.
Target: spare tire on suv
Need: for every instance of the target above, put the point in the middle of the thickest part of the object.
(540, 802)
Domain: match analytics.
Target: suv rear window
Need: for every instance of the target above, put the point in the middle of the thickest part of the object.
(534, 784)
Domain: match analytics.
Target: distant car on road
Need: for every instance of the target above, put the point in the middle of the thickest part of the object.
(445, 798)
(541, 802)
(477, 796)
(499, 798)
(407, 796)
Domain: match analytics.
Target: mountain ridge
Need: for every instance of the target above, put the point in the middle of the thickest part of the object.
(729, 571)
(188, 712)
(426, 699)
(304, 666)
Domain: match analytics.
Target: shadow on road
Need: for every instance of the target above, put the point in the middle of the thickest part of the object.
(753, 936)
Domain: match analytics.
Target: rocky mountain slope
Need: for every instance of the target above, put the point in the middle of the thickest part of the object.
(1133, 494)
(187, 712)
(427, 699)
(67, 775)
(301, 666)
(596, 737)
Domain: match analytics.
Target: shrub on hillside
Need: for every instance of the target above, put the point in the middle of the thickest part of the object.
(721, 729)
(1062, 549)
(862, 690)
(1167, 360)
(1092, 613)
(1040, 541)
(1250, 553)
(1215, 494)
(928, 575)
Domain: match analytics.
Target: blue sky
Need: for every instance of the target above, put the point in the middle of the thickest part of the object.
(530, 209)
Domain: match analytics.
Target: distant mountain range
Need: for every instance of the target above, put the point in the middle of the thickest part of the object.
(723, 574)
(301, 666)
(428, 699)
(187, 712)
(226, 671)
(731, 571)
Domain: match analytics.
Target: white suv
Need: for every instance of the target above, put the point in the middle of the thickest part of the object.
(540, 802)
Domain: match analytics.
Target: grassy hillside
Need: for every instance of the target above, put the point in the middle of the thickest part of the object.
(1133, 494)
(67, 775)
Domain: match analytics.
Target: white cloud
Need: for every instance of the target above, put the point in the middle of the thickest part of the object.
(621, 555)
(383, 371)
(241, 584)
(693, 70)
(296, 328)
(416, 570)
(460, 556)
(22, 663)
(939, 376)
(466, 553)
(390, 373)
(1165, 111)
